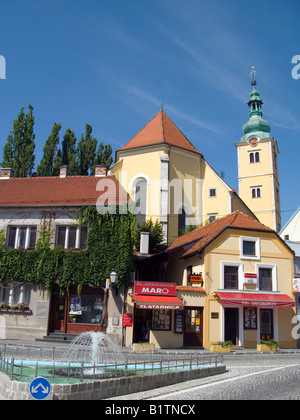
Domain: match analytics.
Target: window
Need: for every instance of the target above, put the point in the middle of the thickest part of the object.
(181, 222)
(212, 192)
(250, 319)
(140, 197)
(231, 277)
(250, 248)
(161, 319)
(265, 279)
(254, 157)
(21, 237)
(212, 217)
(85, 309)
(17, 294)
(71, 237)
(256, 192)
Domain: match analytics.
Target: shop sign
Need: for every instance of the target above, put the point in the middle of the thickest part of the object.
(158, 306)
(250, 278)
(196, 279)
(296, 285)
(127, 320)
(153, 288)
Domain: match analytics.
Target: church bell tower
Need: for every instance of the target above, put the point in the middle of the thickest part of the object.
(257, 164)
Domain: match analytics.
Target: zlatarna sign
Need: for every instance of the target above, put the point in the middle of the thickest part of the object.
(153, 288)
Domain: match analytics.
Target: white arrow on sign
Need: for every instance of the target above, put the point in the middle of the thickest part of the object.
(34, 390)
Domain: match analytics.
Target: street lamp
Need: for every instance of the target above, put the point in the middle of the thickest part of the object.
(113, 277)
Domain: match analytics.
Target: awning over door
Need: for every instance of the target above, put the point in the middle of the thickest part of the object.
(255, 299)
(157, 302)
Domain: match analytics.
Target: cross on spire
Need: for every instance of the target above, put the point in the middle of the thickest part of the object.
(253, 75)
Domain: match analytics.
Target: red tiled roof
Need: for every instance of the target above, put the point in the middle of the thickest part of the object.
(196, 240)
(160, 129)
(56, 191)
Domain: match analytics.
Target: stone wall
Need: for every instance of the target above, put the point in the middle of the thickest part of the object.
(106, 388)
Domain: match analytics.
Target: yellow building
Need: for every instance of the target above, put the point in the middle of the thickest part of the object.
(257, 166)
(233, 280)
(170, 180)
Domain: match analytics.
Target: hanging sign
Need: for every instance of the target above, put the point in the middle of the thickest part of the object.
(127, 320)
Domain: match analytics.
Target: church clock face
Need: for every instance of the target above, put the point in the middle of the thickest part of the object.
(253, 140)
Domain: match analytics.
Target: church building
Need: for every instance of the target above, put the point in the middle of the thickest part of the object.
(171, 181)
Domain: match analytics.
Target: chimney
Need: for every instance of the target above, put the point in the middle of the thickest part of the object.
(144, 243)
(101, 170)
(7, 173)
(63, 171)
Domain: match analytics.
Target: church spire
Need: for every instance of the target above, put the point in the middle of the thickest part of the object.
(256, 126)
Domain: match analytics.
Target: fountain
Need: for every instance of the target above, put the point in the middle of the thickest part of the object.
(94, 349)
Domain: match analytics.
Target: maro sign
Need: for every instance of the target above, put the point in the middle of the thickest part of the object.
(153, 288)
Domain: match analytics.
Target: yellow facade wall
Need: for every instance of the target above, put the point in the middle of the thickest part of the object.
(262, 174)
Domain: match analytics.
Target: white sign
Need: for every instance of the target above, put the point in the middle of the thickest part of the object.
(296, 285)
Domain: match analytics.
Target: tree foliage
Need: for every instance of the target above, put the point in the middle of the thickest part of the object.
(18, 152)
(156, 236)
(51, 160)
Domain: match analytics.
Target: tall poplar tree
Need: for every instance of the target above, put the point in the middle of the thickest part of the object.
(51, 160)
(86, 152)
(104, 155)
(18, 152)
(68, 153)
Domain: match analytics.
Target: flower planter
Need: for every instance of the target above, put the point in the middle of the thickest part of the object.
(218, 348)
(16, 311)
(143, 347)
(266, 347)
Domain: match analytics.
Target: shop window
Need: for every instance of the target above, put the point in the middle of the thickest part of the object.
(85, 309)
(250, 319)
(161, 319)
(21, 237)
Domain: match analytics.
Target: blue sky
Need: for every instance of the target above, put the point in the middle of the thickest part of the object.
(112, 63)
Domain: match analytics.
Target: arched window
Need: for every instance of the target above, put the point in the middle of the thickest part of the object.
(181, 222)
(140, 198)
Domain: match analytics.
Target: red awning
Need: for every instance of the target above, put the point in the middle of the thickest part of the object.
(157, 302)
(255, 299)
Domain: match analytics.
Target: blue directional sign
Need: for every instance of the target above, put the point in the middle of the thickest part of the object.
(40, 388)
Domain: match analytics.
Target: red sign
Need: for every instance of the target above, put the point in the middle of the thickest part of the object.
(160, 306)
(127, 320)
(195, 279)
(250, 275)
(153, 288)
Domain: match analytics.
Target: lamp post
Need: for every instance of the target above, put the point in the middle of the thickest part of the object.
(113, 277)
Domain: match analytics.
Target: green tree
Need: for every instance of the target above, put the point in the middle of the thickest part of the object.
(68, 154)
(104, 155)
(156, 235)
(86, 152)
(18, 152)
(51, 160)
